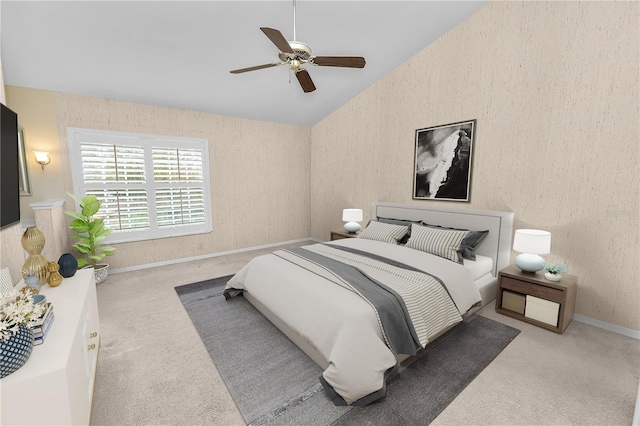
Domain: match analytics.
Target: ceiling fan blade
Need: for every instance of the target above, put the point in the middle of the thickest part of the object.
(278, 39)
(257, 67)
(305, 81)
(340, 61)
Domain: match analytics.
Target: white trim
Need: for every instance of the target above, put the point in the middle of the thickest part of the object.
(608, 326)
(205, 256)
(46, 204)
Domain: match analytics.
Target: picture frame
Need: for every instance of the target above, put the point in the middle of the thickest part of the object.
(23, 169)
(442, 162)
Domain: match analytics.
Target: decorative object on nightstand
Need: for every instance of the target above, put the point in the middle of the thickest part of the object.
(531, 243)
(532, 298)
(36, 264)
(554, 270)
(352, 217)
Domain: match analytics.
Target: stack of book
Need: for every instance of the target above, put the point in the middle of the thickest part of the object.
(41, 329)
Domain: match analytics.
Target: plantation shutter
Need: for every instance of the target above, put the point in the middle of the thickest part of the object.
(178, 175)
(115, 174)
(149, 186)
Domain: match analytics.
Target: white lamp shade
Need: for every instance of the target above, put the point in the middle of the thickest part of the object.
(352, 215)
(533, 241)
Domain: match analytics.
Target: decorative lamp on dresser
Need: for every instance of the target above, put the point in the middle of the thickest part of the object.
(55, 386)
(532, 298)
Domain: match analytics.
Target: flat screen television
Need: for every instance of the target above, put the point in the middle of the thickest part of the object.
(9, 175)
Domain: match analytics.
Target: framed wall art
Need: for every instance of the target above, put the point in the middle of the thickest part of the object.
(442, 167)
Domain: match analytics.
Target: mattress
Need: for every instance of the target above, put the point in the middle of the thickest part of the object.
(479, 267)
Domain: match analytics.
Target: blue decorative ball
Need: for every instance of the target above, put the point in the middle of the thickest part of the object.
(68, 265)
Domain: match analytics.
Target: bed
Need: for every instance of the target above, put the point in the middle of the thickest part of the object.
(320, 295)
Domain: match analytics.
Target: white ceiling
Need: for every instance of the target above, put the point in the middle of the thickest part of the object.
(179, 54)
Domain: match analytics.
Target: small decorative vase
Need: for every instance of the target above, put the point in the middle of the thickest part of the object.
(32, 281)
(552, 277)
(55, 278)
(68, 265)
(15, 351)
(101, 272)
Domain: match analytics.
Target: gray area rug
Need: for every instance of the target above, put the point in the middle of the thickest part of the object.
(273, 382)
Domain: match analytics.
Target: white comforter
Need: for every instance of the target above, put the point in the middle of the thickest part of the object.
(339, 324)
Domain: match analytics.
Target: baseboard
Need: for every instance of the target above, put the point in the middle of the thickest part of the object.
(205, 256)
(608, 326)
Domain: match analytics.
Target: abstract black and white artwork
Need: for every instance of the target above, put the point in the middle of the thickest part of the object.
(443, 162)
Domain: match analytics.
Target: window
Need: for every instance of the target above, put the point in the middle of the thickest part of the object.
(150, 186)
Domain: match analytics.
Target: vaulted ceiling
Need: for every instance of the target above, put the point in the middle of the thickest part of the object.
(179, 54)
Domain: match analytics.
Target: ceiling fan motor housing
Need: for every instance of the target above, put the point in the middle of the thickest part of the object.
(301, 54)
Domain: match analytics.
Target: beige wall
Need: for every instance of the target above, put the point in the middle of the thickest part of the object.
(554, 89)
(36, 113)
(259, 171)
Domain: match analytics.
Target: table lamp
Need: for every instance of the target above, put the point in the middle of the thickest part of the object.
(352, 217)
(531, 243)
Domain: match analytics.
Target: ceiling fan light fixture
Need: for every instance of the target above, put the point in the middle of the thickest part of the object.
(295, 64)
(296, 54)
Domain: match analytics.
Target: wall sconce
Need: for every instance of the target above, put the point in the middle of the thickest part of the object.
(42, 158)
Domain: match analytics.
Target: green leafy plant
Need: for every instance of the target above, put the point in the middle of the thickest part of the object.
(91, 231)
(555, 268)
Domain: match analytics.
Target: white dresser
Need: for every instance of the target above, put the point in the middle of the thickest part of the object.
(55, 386)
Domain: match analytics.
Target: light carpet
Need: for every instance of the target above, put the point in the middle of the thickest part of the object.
(273, 382)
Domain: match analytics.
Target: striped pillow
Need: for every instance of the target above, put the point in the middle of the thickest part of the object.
(440, 242)
(384, 232)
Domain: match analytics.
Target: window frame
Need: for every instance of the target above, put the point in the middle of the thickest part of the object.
(76, 136)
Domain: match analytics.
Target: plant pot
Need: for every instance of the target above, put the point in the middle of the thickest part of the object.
(15, 351)
(552, 277)
(101, 272)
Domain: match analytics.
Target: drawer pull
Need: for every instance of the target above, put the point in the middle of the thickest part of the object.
(92, 346)
(92, 335)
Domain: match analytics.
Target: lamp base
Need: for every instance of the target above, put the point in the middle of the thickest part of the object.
(352, 227)
(529, 262)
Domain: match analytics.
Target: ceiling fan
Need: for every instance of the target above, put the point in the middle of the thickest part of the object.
(295, 54)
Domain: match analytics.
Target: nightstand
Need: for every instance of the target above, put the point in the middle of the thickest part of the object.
(338, 235)
(530, 297)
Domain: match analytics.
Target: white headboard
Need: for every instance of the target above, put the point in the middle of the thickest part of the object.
(496, 245)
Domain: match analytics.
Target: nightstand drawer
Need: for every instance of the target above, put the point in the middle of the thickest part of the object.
(542, 310)
(539, 291)
(513, 301)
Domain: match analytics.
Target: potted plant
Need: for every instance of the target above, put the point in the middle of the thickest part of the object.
(554, 270)
(91, 234)
(18, 314)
